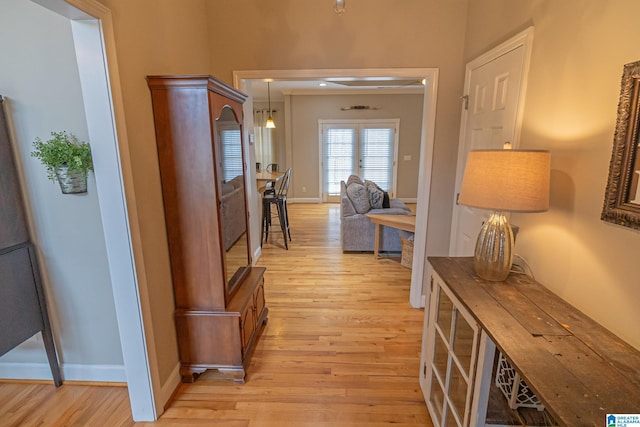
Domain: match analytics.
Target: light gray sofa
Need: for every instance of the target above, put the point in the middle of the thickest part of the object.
(357, 232)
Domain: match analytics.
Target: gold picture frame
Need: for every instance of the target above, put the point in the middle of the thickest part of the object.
(622, 196)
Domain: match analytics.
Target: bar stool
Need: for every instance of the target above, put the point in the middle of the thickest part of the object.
(277, 197)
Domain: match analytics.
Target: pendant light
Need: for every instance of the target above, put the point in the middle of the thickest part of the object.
(270, 124)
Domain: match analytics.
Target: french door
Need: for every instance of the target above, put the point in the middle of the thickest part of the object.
(367, 148)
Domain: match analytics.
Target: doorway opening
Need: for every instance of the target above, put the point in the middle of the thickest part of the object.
(429, 76)
(94, 43)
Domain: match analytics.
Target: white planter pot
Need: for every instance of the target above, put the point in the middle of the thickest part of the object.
(71, 182)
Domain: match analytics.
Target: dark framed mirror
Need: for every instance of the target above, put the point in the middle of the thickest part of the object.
(622, 197)
(232, 198)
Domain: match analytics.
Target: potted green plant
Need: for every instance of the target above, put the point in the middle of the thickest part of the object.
(66, 159)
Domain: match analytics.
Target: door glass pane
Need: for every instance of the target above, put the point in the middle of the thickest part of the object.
(451, 421)
(440, 358)
(376, 156)
(436, 399)
(457, 390)
(339, 152)
(463, 342)
(445, 310)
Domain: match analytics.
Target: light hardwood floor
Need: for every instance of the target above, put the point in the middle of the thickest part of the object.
(341, 348)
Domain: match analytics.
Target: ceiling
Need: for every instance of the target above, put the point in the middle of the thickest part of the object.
(334, 86)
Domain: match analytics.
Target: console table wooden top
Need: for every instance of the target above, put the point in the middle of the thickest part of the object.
(576, 367)
(401, 222)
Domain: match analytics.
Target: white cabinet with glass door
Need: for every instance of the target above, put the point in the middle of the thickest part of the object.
(367, 148)
(449, 357)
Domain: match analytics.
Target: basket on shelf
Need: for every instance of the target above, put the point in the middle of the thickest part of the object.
(407, 251)
(518, 394)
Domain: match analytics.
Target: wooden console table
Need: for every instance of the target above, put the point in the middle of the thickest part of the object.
(401, 222)
(577, 369)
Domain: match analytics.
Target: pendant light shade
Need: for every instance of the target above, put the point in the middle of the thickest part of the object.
(270, 124)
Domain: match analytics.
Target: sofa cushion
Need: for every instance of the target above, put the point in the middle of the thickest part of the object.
(398, 204)
(359, 197)
(376, 195)
(354, 179)
(237, 182)
(227, 188)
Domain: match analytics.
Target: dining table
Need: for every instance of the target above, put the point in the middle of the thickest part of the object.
(263, 178)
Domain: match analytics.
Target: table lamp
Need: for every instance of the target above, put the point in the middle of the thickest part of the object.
(503, 181)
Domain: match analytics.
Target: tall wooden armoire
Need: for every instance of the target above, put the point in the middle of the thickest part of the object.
(219, 296)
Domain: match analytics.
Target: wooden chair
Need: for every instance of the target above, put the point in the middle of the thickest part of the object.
(277, 197)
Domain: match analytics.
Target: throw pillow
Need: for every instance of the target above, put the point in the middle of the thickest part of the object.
(359, 197)
(376, 195)
(386, 201)
(354, 179)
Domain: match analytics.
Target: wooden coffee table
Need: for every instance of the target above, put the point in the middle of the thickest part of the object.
(401, 222)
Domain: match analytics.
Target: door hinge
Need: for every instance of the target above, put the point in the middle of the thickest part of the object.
(465, 99)
(457, 198)
(424, 370)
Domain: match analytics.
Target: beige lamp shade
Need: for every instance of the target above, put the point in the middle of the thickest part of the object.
(507, 180)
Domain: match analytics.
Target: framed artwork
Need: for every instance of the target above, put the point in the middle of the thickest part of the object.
(622, 197)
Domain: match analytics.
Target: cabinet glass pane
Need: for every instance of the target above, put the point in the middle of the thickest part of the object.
(451, 421)
(463, 342)
(445, 310)
(457, 390)
(436, 398)
(440, 357)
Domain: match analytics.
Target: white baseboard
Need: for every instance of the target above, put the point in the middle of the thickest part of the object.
(70, 372)
(307, 200)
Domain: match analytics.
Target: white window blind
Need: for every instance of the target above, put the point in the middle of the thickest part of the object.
(339, 152)
(376, 155)
(231, 153)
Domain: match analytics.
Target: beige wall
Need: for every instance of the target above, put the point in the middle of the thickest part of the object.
(307, 110)
(199, 36)
(283, 34)
(155, 37)
(579, 49)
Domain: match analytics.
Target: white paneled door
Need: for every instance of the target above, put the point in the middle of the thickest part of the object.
(492, 106)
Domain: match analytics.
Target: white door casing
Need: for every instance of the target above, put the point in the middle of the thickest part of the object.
(495, 85)
(93, 36)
